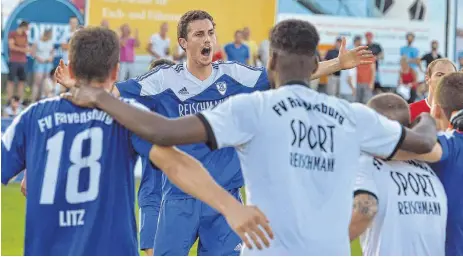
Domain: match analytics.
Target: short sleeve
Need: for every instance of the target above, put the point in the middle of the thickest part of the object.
(233, 122)
(446, 141)
(364, 181)
(11, 35)
(378, 135)
(402, 51)
(141, 146)
(14, 149)
(132, 89)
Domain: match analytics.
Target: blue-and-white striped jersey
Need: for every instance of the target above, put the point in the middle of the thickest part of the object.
(80, 180)
(174, 92)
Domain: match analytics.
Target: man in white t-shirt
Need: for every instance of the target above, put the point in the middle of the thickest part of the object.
(347, 84)
(159, 45)
(298, 149)
(400, 207)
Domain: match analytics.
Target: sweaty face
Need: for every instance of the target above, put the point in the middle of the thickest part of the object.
(201, 41)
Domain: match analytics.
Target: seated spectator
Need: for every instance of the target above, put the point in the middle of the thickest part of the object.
(237, 51)
(407, 81)
(13, 108)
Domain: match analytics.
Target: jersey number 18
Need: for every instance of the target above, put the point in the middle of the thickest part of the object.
(78, 162)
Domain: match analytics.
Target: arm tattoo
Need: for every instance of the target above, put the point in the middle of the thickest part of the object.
(366, 205)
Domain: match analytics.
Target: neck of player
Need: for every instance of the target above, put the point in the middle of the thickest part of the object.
(292, 68)
(106, 85)
(200, 71)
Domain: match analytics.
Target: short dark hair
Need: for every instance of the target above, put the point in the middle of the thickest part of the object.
(15, 98)
(23, 24)
(449, 93)
(392, 106)
(294, 37)
(188, 17)
(73, 17)
(93, 53)
(160, 62)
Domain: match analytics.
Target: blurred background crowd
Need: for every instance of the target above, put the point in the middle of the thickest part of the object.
(405, 36)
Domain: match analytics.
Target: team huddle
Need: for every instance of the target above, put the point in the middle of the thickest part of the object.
(318, 171)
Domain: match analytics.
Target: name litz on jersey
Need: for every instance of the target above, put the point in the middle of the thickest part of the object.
(319, 138)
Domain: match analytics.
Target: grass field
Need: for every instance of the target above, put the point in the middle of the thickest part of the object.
(13, 207)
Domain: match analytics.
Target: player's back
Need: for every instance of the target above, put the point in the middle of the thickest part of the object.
(80, 180)
(412, 208)
(299, 165)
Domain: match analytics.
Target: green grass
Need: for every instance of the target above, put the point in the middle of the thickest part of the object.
(13, 210)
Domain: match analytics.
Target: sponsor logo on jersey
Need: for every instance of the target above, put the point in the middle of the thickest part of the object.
(221, 87)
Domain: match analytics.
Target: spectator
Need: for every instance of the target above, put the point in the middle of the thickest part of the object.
(407, 81)
(218, 53)
(237, 51)
(332, 86)
(43, 52)
(252, 45)
(410, 52)
(127, 52)
(377, 51)
(73, 26)
(104, 24)
(431, 56)
(51, 87)
(365, 78)
(159, 45)
(180, 55)
(264, 52)
(18, 47)
(13, 108)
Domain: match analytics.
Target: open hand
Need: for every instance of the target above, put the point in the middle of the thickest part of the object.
(249, 222)
(63, 77)
(349, 59)
(84, 96)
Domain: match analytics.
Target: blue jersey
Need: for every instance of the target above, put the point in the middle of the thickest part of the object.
(150, 190)
(450, 171)
(80, 179)
(174, 92)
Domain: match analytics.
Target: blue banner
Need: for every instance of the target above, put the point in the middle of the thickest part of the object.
(42, 15)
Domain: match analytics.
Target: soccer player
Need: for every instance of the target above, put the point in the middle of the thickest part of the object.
(298, 149)
(434, 72)
(447, 155)
(150, 193)
(188, 88)
(398, 203)
(80, 166)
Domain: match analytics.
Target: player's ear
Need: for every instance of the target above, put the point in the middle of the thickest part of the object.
(427, 79)
(182, 42)
(71, 73)
(115, 73)
(272, 61)
(315, 58)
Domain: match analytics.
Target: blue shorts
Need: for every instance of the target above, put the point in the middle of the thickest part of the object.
(148, 219)
(182, 221)
(43, 67)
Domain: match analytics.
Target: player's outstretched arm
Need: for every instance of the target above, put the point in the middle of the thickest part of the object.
(190, 176)
(364, 210)
(421, 138)
(148, 125)
(347, 59)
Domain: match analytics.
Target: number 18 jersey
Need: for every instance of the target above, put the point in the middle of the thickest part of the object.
(80, 181)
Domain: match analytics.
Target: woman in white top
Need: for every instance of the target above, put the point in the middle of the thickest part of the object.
(43, 52)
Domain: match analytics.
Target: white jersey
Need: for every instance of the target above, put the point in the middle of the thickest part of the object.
(299, 155)
(412, 208)
(159, 45)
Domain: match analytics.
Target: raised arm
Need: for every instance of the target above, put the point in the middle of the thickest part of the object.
(150, 126)
(190, 176)
(345, 60)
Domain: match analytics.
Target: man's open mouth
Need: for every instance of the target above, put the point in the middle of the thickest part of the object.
(206, 51)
